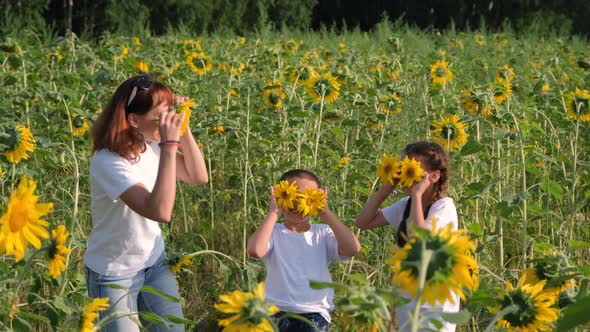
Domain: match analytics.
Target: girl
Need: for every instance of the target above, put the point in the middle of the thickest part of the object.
(133, 176)
(424, 201)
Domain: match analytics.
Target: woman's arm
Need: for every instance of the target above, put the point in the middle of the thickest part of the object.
(190, 164)
(370, 216)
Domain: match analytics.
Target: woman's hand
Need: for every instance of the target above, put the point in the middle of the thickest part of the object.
(170, 123)
(180, 99)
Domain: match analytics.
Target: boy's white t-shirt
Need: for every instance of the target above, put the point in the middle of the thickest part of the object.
(121, 241)
(292, 260)
(445, 213)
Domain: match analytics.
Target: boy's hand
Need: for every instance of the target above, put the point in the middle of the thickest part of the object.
(274, 206)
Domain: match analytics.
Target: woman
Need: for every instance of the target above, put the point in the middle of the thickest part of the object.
(133, 176)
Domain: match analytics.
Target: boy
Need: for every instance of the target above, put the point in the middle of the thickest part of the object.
(297, 252)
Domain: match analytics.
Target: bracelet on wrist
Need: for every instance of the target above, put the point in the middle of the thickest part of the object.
(169, 142)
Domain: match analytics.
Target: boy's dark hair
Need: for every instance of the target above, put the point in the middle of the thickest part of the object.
(301, 173)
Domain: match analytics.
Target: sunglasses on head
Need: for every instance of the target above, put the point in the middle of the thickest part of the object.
(143, 82)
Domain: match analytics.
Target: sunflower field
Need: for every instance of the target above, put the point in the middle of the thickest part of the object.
(512, 110)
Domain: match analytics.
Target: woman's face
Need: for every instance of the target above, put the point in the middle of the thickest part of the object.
(148, 124)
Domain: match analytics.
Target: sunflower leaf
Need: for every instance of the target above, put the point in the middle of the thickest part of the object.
(158, 292)
(460, 317)
(574, 315)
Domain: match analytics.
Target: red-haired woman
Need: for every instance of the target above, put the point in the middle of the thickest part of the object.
(133, 176)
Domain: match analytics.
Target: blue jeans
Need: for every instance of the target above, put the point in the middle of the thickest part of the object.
(288, 324)
(131, 300)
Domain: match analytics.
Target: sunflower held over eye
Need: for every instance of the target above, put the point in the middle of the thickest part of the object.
(391, 104)
(79, 125)
(502, 90)
(199, 63)
(250, 312)
(91, 313)
(21, 224)
(325, 86)
(389, 169)
(534, 307)
(19, 140)
(448, 269)
(57, 251)
(286, 194)
(311, 202)
(449, 132)
(273, 94)
(440, 73)
(505, 74)
(410, 172)
(186, 108)
(578, 105)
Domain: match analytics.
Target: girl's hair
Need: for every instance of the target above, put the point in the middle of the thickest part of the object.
(434, 158)
(112, 130)
(301, 173)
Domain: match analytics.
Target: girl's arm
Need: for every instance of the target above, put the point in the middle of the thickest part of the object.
(158, 204)
(190, 165)
(370, 216)
(348, 244)
(258, 242)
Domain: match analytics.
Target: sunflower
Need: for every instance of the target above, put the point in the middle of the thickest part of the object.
(304, 74)
(392, 104)
(291, 46)
(578, 106)
(341, 163)
(79, 125)
(198, 62)
(553, 270)
(474, 102)
(141, 67)
(502, 90)
(311, 202)
(534, 307)
(388, 169)
(447, 271)
(479, 40)
(57, 251)
(250, 312)
(326, 86)
(1, 171)
(136, 41)
(185, 260)
(440, 73)
(449, 132)
(273, 94)
(21, 224)
(91, 313)
(191, 46)
(545, 88)
(410, 172)
(505, 74)
(19, 140)
(185, 107)
(286, 194)
(341, 47)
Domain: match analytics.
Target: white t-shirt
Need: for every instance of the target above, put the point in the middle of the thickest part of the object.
(292, 260)
(121, 240)
(445, 213)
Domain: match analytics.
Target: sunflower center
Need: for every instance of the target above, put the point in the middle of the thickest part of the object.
(52, 251)
(449, 131)
(440, 72)
(274, 98)
(582, 105)
(526, 308)
(410, 173)
(18, 217)
(253, 311)
(304, 73)
(442, 260)
(285, 195)
(323, 86)
(78, 122)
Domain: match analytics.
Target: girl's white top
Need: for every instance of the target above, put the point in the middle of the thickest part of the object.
(121, 241)
(445, 213)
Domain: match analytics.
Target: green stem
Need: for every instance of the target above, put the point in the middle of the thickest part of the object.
(426, 256)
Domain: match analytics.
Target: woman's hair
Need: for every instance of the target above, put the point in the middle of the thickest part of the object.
(434, 158)
(299, 174)
(112, 130)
